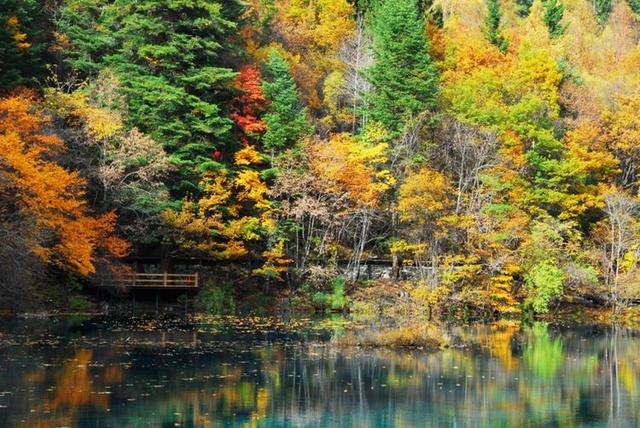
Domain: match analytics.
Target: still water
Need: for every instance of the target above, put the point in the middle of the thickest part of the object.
(256, 372)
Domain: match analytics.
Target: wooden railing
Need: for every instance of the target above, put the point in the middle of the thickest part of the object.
(151, 280)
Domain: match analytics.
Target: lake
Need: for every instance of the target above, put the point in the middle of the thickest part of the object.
(269, 372)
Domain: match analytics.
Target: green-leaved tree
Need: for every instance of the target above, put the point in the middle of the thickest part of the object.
(403, 78)
(167, 55)
(553, 11)
(286, 117)
(492, 29)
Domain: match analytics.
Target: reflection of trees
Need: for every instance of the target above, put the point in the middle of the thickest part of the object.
(543, 354)
(565, 378)
(506, 373)
(74, 390)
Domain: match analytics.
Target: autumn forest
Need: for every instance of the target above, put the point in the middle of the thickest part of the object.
(491, 148)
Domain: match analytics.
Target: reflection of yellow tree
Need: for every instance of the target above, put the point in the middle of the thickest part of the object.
(74, 389)
(499, 342)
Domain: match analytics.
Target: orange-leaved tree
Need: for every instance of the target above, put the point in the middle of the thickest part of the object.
(50, 199)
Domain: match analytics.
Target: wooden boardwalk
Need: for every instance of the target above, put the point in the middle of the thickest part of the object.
(151, 280)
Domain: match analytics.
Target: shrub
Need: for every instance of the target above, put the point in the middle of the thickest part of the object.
(335, 300)
(412, 335)
(79, 303)
(215, 299)
(544, 282)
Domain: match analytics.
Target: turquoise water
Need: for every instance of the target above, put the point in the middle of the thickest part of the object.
(249, 372)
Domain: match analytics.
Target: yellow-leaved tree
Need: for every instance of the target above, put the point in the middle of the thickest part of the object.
(232, 213)
(47, 200)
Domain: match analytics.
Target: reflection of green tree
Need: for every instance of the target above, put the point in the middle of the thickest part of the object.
(543, 354)
(566, 379)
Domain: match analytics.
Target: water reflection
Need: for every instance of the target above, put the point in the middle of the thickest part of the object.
(206, 375)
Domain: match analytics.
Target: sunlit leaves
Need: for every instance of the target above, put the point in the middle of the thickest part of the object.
(355, 166)
(63, 231)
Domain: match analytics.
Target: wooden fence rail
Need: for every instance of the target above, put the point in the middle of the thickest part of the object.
(151, 280)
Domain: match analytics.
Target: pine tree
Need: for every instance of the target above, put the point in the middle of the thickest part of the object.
(635, 5)
(286, 118)
(602, 9)
(21, 51)
(403, 78)
(492, 26)
(523, 7)
(553, 11)
(168, 57)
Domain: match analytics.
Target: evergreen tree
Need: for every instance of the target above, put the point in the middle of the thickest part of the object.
(553, 11)
(21, 51)
(403, 78)
(635, 5)
(523, 7)
(602, 9)
(492, 26)
(286, 118)
(167, 55)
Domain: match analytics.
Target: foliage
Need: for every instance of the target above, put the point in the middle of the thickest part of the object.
(492, 28)
(60, 229)
(285, 119)
(544, 282)
(22, 48)
(355, 166)
(553, 12)
(403, 77)
(490, 145)
(602, 9)
(128, 169)
(215, 299)
(249, 105)
(166, 55)
(635, 5)
(335, 300)
(523, 7)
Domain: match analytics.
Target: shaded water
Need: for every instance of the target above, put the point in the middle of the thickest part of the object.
(270, 373)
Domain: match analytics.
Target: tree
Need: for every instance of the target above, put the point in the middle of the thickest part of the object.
(403, 78)
(125, 169)
(247, 107)
(354, 169)
(602, 9)
(357, 56)
(21, 48)
(353, 166)
(232, 217)
(311, 33)
(545, 254)
(635, 5)
(621, 230)
(168, 56)
(285, 117)
(553, 11)
(523, 7)
(48, 199)
(492, 29)
(622, 135)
